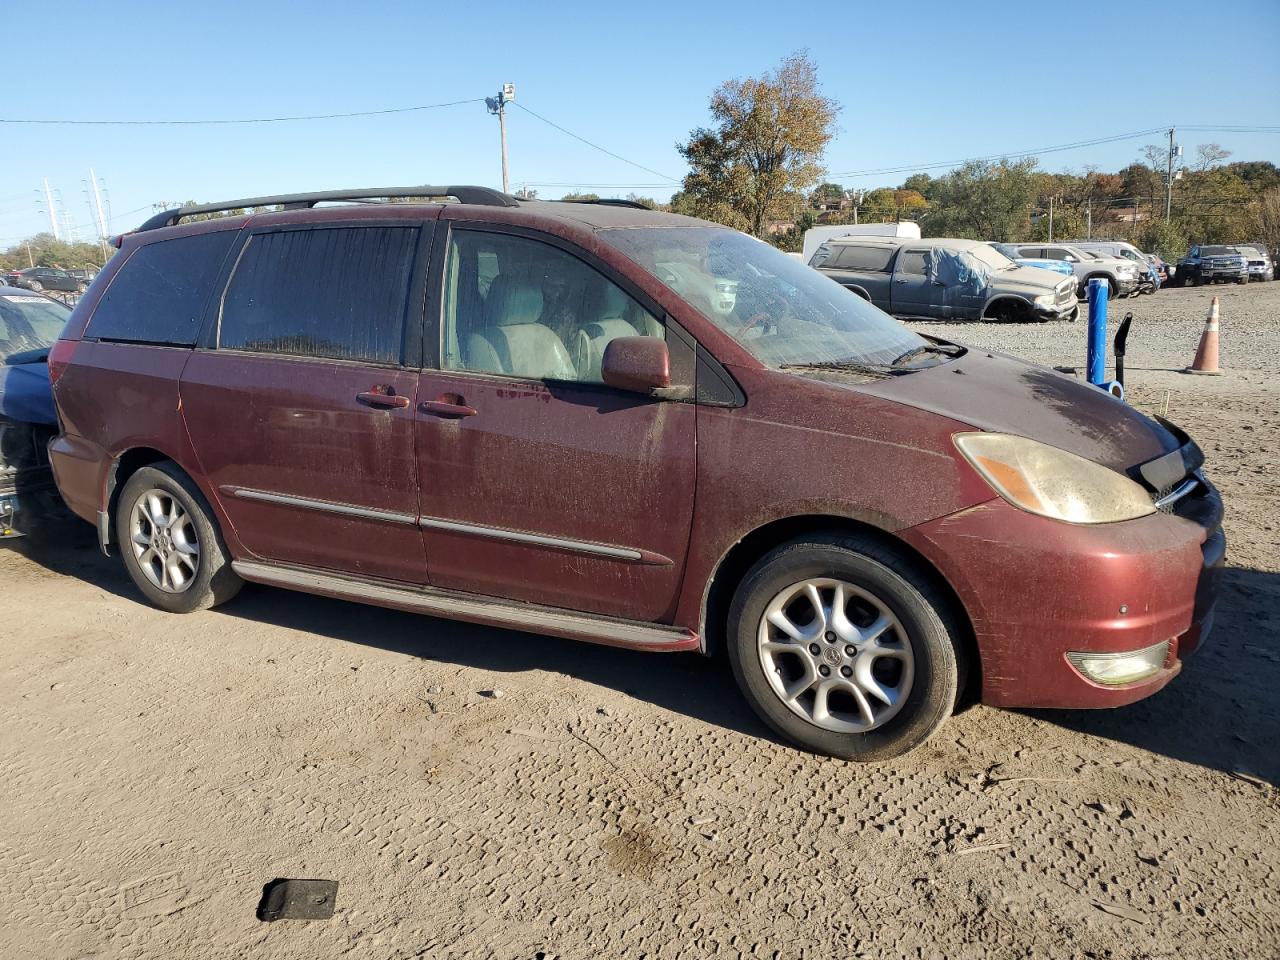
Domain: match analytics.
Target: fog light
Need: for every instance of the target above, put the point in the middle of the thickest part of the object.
(1126, 666)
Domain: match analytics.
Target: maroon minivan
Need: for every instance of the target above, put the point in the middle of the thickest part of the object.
(634, 428)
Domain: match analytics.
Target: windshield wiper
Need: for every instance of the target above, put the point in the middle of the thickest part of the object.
(849, 366)
(949, 350)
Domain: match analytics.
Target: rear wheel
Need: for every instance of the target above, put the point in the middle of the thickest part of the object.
(169, 541)
(844, 647)
(36, 286)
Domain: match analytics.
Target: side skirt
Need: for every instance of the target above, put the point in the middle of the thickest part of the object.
(491, 611)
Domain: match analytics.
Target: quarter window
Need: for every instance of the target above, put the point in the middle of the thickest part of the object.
(160, 293)
(338, 293)
(522, 308)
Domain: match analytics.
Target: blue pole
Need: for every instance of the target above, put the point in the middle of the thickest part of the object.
(1097, 356)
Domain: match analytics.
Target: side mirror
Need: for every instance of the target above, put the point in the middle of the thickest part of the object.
(638, 364)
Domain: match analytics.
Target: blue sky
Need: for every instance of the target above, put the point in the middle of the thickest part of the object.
(920, 83)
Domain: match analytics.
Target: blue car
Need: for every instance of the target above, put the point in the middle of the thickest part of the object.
(29, 325)
(1011, 252)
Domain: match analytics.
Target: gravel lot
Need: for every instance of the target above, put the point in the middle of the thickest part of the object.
(156, 771)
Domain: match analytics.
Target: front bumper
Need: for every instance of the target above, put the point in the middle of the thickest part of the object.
(1036, 589)
(1059, 311)
(1261, 273)
(1237, 275)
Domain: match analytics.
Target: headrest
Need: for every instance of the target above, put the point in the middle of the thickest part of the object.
(511, 302)
(614, 304)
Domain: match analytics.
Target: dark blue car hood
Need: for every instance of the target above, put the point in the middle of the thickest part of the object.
(25, 393)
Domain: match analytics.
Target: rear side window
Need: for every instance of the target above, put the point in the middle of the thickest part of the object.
(873, 259)
(160, 293)
(336, 293)
(913, 262)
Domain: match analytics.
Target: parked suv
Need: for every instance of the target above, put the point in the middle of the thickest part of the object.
(1122, 277)
(1213, 263)
(634, 428)
(945, 279)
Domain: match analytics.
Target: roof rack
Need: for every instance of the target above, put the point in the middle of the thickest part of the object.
(485, 196)
(612, 202)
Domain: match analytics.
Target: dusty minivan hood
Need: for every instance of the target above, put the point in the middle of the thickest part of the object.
(1002, 394)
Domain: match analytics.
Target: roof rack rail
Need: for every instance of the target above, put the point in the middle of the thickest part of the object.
(485, 196)
(613, 202)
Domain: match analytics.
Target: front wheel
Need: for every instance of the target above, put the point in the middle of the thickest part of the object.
(844, 647)
(170, 544)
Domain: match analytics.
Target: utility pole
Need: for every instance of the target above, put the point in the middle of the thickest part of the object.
(53, 213)
(1088, 230)
(1051, 218)
(498, 105)
(1168, 180)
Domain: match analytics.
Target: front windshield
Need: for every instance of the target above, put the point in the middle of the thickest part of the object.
(1217, 251)
(780, 310)
(991, 257)
(29, 325)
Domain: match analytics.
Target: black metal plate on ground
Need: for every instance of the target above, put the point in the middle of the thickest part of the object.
(298, 900)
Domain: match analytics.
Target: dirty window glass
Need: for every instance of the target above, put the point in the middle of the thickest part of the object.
(337, 293)
(521, 308)
(912, 262)
(780, 310)
(871, 259)
(160, 293)
(28, 324)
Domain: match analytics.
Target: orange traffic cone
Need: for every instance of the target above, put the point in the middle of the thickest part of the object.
(1206, 361)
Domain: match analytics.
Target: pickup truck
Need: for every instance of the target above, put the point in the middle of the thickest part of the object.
(945, 279)
(1213, 263)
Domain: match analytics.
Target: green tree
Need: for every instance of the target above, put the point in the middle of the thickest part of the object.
(580, 196)
(763, 152)
(982, 200)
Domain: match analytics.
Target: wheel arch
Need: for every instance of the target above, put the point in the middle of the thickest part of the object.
(740, 557)
(124, 465)
(1023, 303)
(860, 291)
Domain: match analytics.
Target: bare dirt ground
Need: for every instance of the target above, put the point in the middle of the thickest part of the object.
(156, 770)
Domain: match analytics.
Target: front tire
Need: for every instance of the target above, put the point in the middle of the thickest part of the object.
(170, 543)
(886, 670)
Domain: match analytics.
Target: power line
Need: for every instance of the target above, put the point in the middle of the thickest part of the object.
(595, 146)
(207, 122)
(1057, 148)
(1002, 156)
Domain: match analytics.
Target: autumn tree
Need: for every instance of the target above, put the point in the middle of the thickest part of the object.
(763, 151)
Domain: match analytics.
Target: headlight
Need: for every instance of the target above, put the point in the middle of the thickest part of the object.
(1045, 300)
(1041, 479)
(1128, 666)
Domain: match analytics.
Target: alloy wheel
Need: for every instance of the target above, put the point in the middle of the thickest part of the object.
(835, 655)
(164, 541)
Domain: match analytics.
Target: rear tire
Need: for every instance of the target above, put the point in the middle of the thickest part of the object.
(169, 541)
(37, 286)
(897, 686)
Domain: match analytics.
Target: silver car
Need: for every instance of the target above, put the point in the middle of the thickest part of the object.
(1122, 276)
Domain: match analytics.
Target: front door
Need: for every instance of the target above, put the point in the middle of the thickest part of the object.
(539, 482)
(301, 409)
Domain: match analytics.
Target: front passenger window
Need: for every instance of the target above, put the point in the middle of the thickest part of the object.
(521, 308)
